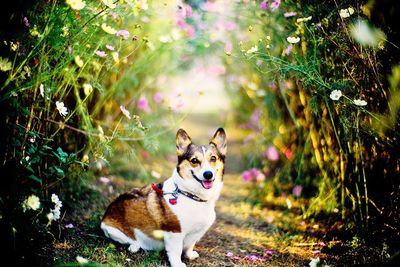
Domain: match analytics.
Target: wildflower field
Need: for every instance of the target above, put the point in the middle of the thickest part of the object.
(93, 92)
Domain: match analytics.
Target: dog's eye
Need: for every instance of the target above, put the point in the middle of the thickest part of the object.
(213, 159)
(194, 161)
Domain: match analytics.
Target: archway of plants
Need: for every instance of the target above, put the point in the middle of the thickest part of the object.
(93, 92)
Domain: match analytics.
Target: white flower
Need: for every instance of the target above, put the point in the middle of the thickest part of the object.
(65, 32)
(293, 40)
(56, 201)
(87, 89)
(360, 102)
(32, 202)
(109, 3)
(335, 95)
(56, 213)
(366, 34)
(54, 198)
(50, 217)
(314, 262)
(125, 112)
(61, 108)
(155, 174)
(76, 4)
(81, 260)
(288, 203)
(252, 50)
(41, 89)
(165, 39)
(347, 12)
(108, 29)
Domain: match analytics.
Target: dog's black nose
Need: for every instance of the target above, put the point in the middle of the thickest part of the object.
(207, 175)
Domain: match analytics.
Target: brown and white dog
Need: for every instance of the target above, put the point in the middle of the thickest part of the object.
(174, 214)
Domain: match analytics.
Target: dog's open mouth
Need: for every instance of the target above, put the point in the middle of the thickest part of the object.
(207, 184)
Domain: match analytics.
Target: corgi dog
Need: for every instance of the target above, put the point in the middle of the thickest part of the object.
(175, 214)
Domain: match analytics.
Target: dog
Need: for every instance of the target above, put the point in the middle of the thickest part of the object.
(175, 214)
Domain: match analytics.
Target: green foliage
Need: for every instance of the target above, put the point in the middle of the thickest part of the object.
(332, 148)
(77, 84)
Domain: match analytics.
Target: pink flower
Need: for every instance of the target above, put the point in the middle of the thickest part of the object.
(143, 104)
(216, 70)
(69, 226)
(125, 112)
(259, 62)
(100, 53)
(228, 48)
(123, 33)
(110, 47)
(269, 252)
(190, 32)
(230, 25)
(254, 172)
(275, 4)
(273, 86)
(113, 15)
(296, 191)
(272, 153)
(289, 14)
(264, 5)
(181, 23)
(158, 97)
(104, 180)
(188, 10)
(26, 21)
(260, 177)
(255, 118)
(288, 49)
(247, 176)
(251, 258)
(229, 254)
(209, 6)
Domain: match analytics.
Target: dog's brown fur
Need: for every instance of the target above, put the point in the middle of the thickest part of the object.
(142, 209)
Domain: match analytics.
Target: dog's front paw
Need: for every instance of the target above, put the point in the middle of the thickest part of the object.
(134, 247)
(191, 255)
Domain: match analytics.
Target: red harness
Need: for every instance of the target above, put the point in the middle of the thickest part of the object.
(157, 189)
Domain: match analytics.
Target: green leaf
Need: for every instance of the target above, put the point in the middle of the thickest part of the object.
(35, 178)
(59, 172)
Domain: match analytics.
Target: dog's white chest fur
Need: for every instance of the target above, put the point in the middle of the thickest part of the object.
(193, 216)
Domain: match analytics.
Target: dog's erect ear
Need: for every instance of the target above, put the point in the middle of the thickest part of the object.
(182, 141)
(219, 140)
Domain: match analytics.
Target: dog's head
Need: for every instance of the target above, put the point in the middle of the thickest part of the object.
(201, 165)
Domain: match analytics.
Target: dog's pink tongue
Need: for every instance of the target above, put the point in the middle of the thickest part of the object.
(207, 184)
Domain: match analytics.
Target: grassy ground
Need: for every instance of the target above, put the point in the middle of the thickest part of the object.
(241, 229)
